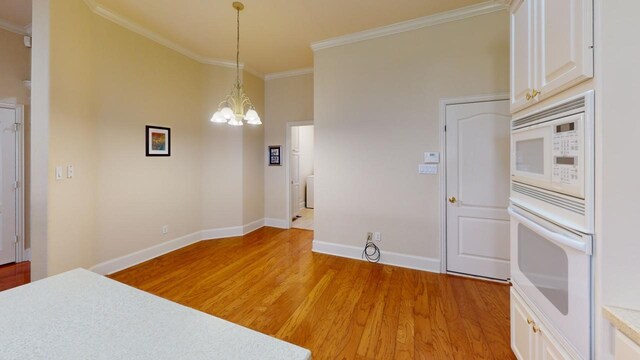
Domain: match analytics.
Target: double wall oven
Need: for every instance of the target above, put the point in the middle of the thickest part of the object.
(552, 217)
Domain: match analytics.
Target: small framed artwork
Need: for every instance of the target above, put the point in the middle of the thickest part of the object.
(274, 155)
(158, 141)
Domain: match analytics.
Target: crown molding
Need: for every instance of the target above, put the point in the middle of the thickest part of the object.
(25, 31)
(431, 20)
(284, 74)
(153, 36)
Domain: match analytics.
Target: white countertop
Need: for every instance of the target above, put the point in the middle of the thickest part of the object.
(82, 315)
(627, 321)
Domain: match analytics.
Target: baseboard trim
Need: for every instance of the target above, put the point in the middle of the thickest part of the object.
(388, 257)
(252, 226)
(277, 223)
(126, 261)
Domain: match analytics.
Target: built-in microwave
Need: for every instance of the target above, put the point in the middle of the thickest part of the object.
(552, 162)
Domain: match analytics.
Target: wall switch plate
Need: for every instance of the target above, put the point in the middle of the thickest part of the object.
(165, 229)
(428, 169)
(69, 171)
(58, 172)
(432, 158)
(377, 236)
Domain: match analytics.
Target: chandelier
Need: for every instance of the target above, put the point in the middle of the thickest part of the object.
(231, 110)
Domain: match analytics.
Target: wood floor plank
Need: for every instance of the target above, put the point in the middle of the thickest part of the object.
(271, 281)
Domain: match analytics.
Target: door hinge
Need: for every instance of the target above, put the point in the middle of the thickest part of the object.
(16, 127)
(445, 128)
(17, 239)
(16, 185)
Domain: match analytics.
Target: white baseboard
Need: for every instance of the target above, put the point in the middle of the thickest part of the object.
(387, 257)
(277, 223)
(143, 255)
(126, 261)
(252, 226)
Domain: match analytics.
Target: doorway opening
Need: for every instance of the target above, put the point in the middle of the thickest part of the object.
(300, 175)
(475, 229)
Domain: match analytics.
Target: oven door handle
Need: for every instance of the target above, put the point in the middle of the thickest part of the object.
(553, 236)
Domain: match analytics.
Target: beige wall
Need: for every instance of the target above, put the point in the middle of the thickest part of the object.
(107, 83)
(15, 62)
(287, 99)
(377, 112)
(253, 154)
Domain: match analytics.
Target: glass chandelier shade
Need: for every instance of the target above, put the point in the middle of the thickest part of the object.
(236, 107)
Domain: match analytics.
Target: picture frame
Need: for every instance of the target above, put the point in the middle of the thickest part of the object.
(158, 141)
(275, 155)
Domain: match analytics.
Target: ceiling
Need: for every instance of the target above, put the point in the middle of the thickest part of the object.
(15, 13)
(275, 34)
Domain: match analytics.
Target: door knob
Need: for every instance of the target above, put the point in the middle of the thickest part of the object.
(535, 93)
(528, 96)
(453, 199)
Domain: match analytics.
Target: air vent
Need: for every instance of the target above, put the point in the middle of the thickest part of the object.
(549, 114)
(561, 202)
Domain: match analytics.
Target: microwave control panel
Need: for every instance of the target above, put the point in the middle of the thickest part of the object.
(566, 150)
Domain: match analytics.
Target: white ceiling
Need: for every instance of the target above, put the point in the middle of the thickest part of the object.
(275, 34)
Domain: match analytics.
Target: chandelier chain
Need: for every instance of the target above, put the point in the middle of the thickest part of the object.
(238, 45)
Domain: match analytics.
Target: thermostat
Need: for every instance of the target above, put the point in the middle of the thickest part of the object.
(432, 158)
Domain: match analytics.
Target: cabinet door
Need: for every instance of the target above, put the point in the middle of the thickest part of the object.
(564, 34)
(522, 53)
(522, 337)
(549, 349)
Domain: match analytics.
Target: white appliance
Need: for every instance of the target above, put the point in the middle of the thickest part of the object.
(310, 186)
(551, 270)
(552, 162)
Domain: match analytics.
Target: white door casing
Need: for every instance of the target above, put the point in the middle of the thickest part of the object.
(295, 184)
(477, 188)
(10, 174)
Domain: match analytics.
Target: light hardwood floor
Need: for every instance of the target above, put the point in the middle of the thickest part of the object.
(270, 281)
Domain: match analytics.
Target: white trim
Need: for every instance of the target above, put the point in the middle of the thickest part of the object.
(289, 73)
(137, 257)
(443, 161)
(27, 254)
(387, 257)
(15, 28)
(276, 223)
(431, 20)
(252, 226)
(126, 261)
(285, 159)
(153, 36)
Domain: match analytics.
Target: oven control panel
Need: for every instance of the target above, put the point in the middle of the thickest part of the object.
(566, 152)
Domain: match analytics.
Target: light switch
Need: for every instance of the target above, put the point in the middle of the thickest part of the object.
(69, 171)
(58, 172)
(427, 169)
(432, 158)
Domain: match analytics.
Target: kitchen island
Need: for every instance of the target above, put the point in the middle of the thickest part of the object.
(82, 315)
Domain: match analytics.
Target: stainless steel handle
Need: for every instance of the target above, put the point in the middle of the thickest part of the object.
(555, 237)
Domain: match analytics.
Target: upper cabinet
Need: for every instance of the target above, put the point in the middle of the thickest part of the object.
(551, 48)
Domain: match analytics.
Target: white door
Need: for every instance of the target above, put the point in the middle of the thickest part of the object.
(295, 184)
(7, 191)
(477, 161)
(522, 53)
(565, 52)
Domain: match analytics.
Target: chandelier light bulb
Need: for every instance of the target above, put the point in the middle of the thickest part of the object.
(227, 113)
(235, 121)
(218, 118)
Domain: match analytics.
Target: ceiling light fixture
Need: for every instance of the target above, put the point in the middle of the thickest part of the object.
(232, 109)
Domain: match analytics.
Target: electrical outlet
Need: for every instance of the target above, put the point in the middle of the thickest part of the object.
(165, 229)
(377, 236)
(369, 236)
(69, 171)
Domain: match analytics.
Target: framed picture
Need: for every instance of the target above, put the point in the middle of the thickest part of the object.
(274, 155)
(158, 141)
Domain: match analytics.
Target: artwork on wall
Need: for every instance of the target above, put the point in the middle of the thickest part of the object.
(158, 141)
(274, 155)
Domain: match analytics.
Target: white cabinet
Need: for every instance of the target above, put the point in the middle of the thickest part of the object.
(625, 348)
(530, 339)
(551, 48)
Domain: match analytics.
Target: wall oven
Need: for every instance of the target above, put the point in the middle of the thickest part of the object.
(551, 269)
(552, 156)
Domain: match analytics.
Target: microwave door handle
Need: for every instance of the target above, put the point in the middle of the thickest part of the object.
(555, 237)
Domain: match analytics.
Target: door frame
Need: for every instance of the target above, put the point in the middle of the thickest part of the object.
(21, 253)
(287, 149)
(443, 162)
